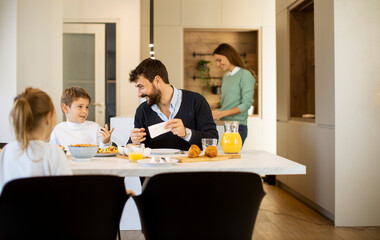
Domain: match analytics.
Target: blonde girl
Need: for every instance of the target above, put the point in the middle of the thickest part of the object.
(33, 119)
(237, 88)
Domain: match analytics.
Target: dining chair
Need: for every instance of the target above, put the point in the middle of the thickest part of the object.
(62, 207)
(200, 205)
(2, 144)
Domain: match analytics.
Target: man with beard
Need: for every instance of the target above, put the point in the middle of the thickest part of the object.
(187, 114)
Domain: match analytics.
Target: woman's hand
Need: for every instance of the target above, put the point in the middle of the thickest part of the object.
(106, 135)
(217, 114)
(138, 135)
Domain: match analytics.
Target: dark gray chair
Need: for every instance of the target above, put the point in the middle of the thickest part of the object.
(62, 207)
(200, 205)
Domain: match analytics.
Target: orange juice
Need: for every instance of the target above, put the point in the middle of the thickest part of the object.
(231, 142)
(135, 156)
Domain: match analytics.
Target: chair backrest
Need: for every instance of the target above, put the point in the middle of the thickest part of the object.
(62, 207)
(2, 144)
(200, 205)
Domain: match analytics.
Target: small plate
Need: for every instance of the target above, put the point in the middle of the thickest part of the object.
(164, 151)
(151, 163)
(106, 154)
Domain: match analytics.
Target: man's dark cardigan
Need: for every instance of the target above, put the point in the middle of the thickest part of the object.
(195, 114)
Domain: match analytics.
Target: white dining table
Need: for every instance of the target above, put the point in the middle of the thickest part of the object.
(260, 162)
(256, 161)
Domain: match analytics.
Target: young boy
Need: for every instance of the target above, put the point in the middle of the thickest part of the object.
(76, 130)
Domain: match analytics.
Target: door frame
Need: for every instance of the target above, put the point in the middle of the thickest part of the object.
(100, 21)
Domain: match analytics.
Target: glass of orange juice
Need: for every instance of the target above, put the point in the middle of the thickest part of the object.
(231, 140)
(135, 151)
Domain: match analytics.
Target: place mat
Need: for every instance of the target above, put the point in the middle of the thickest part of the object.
(185, 159)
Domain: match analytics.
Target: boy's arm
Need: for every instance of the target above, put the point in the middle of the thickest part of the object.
(101, 139)
(106, 135)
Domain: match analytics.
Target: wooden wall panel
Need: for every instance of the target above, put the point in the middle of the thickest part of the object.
(302, 73)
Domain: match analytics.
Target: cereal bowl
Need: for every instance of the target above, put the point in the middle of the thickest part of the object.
(83, 151)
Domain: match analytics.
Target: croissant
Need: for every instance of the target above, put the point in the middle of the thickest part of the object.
(211, 151)
(194, 151)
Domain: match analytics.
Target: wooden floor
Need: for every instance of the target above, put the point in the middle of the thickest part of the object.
(282, 217)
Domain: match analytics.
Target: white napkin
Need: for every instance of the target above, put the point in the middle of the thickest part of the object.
(157, 129)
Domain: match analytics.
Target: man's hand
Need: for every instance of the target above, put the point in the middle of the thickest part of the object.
(106, 135)
(217, 114)
(176, 127)
(138, 135)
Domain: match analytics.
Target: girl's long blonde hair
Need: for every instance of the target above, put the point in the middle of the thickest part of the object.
(233, 57)
(28, 109)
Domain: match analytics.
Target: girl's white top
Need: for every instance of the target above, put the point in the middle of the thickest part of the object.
(69, 133)
(40, 159)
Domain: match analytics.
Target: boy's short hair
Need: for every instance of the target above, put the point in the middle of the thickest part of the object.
(149, 69)
(71, 94)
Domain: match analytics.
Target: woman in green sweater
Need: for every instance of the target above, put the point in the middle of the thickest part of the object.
(237, 88)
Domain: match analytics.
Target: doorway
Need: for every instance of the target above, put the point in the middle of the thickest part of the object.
(89, 61)
(84, 64)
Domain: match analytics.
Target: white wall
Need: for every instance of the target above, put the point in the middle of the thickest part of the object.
(357, 112)
(31, 47)
(311, 144)
(8, 64)
(39, 47)
(31, 55)
(126, 15)
(172, 16)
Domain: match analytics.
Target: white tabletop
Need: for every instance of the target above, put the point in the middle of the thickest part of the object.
(260, 162)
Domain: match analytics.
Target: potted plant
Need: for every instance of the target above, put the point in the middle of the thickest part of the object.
(204, 74)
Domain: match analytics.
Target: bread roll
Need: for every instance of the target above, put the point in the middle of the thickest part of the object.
(194, 151)
(211, 151)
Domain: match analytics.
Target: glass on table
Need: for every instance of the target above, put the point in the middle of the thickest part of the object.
(206, 142)
(135, 151)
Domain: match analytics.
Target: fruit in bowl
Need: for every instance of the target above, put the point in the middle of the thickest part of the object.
(109, 149)
(83, 151)
(63, 148)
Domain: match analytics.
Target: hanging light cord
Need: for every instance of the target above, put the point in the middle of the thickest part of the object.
(151, 33)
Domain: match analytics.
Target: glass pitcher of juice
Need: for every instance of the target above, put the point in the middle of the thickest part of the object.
(231, 139)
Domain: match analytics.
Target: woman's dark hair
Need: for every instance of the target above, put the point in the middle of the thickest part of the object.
(150, 68)
(233, 56)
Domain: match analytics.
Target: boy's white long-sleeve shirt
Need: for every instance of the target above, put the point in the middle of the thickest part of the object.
(40, 159)
(69, 133)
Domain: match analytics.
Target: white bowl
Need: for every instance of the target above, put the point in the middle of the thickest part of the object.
(123, 150)
(83, 152)
(147, 152)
